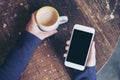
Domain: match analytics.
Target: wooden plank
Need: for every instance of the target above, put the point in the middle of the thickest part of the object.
(106, 23)
(44, 65)
(12, 25)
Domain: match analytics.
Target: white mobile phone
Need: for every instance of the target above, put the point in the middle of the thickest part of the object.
(80, 42)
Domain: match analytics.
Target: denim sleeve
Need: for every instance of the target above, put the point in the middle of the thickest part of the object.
(18, 58)
(88, 74)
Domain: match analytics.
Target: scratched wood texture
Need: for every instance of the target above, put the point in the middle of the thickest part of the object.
(104, 16)
(47, 60)
(13, 18)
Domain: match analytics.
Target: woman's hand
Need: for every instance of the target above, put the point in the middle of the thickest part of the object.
(92, 55)
(32, 27)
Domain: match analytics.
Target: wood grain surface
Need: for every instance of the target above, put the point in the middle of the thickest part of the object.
(47, 60)
(44, 65)
(106, 22)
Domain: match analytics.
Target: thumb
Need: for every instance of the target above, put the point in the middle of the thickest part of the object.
(92, 56)
(50, 33)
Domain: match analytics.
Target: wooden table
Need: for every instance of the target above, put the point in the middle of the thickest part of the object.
(47, 60)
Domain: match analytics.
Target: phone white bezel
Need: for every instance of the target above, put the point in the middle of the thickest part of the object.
(85, 29)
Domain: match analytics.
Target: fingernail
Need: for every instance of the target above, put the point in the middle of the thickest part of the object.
(55, 31)
(94, 42)
(65, 55)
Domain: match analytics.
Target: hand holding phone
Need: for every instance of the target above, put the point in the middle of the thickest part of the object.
(92, 56)
(79, 48)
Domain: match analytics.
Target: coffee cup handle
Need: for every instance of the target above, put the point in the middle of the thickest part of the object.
(63, 19)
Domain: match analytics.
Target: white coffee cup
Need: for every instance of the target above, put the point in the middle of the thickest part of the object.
(48, 18)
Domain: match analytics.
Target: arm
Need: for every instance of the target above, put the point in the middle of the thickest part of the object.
(18, 58)
(88, 74)
(16, 61)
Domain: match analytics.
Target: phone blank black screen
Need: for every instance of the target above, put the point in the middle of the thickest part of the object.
(79, 47)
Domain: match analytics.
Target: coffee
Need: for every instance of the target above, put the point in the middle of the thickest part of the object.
(47, 16)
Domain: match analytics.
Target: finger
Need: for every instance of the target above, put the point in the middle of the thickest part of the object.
(92, 56)
(68, 42)
(65, 55)
(49, 33)
(28, 24)
(93, 43)
(93, 51)
(33, 18)
(67, 47)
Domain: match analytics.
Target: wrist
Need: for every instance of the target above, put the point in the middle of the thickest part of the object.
(35, 34)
